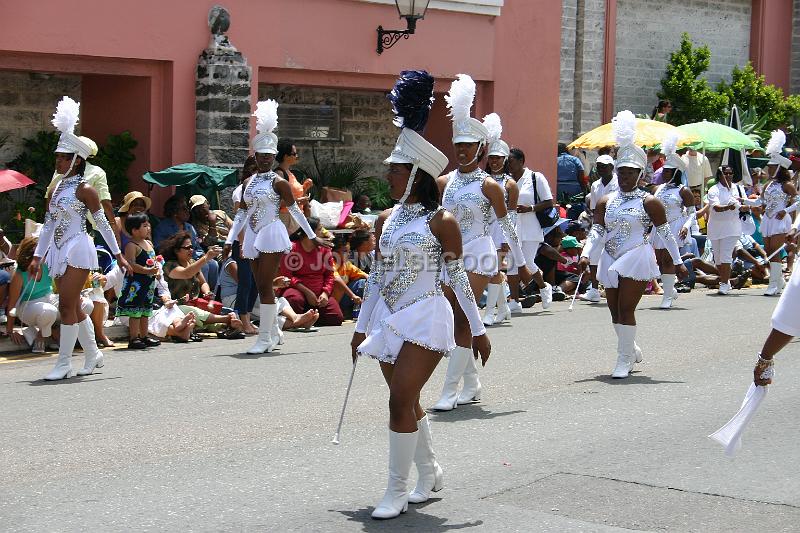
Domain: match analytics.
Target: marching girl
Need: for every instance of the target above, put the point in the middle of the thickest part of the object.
(406, 323)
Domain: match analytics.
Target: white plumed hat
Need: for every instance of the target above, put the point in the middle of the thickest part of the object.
(265, 141)
(494, 127)
(628, 155)
(459, 100)
(774, 148)
(669, 147)
(65, 119)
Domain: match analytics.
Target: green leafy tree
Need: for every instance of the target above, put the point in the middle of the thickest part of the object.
(115, 157)
(692, 98)
(749, 90)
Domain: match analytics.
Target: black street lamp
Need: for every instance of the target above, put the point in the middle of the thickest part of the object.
(411, 10)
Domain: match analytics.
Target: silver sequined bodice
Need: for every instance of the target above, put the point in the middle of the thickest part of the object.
(626, 221)
(670, 196)
(775, 199)
(412, 257)
(263, 202)
(464, 198)
(68, 212)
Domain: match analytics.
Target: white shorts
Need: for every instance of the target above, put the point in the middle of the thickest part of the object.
(723, 250)
(529, 251)
(786, 317)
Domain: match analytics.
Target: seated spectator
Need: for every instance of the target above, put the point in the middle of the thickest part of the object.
(349, 280)
(309, 268)
(93, 290)
(362, 246)
(212, 225)
(187, 283)
(363, 205)
(176, 211)
(567, 274)
(134, 202)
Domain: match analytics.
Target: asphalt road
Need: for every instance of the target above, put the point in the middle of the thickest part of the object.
(200, 437)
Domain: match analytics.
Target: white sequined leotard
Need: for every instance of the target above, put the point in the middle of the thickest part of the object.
(264, 231)
(464, 198)
(412, 307)
(495, 230)
(71, 245)
(775, 200)
(670, 196)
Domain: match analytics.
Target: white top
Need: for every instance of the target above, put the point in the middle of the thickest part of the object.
(726, 223)
(68, 212)
(236, 196)
(598, 190)
(670, 196)
(464, 197)
(528, 227)
(698, 169)
(263, 202)
(626, 221)
(774, 199)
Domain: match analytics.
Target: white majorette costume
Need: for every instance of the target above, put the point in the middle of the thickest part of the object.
(622, 242)
(403, 299)
(264, 233)
(463, 197)
(678, 215)
(64, 242)
(596, 193)
(496, 292)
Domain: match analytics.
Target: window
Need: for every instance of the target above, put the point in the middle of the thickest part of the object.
(481, 7)
(309, 122)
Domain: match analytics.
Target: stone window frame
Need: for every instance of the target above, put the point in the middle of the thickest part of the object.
(480, 7)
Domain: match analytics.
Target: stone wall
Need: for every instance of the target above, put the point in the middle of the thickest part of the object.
(582, 60)
(649, 30)
(27, 104)
(794, 84)
(365, 119)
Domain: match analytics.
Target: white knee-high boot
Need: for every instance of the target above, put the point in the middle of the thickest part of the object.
(492, 290)
(668, 285)
(775, 275)
(458, 361)
(503, 311)
(264, 343)
(472, 384)
(638, 351)
(63, 368)
(93, 357)
(402, 447)
(430, 473)
(627, 354)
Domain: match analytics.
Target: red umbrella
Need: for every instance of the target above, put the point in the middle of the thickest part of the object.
(11, 179)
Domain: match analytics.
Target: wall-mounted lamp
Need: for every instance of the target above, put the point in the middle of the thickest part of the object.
(411, 10)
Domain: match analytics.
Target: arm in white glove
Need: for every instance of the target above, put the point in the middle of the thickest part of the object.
(237, 226)
(104, 227)
(691, 219)
(510, 232)
(793, 207)
(45, 235)
(301, 219)
(594, 243)
(665, 232)
(372, 293)
(459, 282)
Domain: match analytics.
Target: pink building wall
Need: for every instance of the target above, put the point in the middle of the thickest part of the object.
(514, 58)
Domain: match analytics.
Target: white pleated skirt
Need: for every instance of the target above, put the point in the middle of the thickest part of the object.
(272, 238)
(638, 264)
(772, 226)
(78, 252)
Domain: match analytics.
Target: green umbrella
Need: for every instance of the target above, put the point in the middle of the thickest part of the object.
(716, 137)
(191, 178)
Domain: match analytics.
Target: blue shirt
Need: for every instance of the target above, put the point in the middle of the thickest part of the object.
(568, 168)
(168, 227)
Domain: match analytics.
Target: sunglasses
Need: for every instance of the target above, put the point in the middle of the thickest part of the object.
(186, 247)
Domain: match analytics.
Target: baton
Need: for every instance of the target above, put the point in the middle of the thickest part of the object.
(571, 305)
(344, 406)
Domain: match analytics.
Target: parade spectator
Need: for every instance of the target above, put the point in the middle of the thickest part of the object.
(363, 205)
(566, 275)
(661, 111)
(177, 214)
(349, 280)
(286, 158)
(698, 169)
(187, 284)
(134, 202)
(571, 177)
(362, 247)
(212, 225)
(138, 291)
(309, 268)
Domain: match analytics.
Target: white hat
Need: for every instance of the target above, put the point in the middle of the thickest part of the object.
(266, 113)
(459, 100)
(90, 143)
(774, 149)
(65, 119)
(669, 147)
(604, 159)
(412, 97)
(495, 129)
(628, 155)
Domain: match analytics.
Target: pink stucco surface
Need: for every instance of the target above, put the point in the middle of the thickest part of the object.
(515, 59)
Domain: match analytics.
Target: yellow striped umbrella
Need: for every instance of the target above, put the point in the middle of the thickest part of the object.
(648, 133)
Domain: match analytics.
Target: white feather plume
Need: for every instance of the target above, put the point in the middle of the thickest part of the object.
(66, 116)
(669, 145)
(624, 126)
(494, 127)
(776, 142)
(266, 114)
(459, 99)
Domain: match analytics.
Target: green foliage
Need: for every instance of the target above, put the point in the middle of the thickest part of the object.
(378, 191)
(692, 98)
(115, 157)
(349, 174)
(751, 124)
(749, 90)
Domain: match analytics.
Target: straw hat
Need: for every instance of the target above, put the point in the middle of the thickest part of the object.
(130, 197)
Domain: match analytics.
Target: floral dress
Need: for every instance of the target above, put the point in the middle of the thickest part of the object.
(138, 291)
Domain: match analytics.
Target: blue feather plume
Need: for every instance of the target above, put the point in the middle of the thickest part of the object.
(412, 98)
